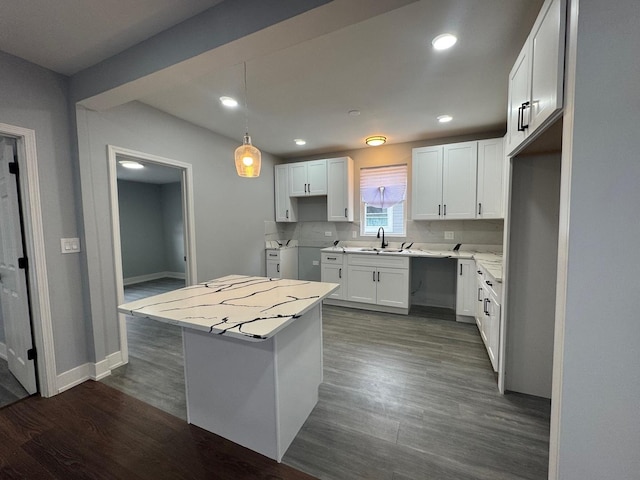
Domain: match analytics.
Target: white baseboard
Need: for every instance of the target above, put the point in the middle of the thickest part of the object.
(153, 276)
(88, 371)
(3, 351)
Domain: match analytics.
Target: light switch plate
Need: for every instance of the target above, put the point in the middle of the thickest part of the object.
(448, 235)
(327, 234)
(70, 245)
(316, 262)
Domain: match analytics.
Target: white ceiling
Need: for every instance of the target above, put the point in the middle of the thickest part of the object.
(151, 173)
(67, 36)
(383, 66)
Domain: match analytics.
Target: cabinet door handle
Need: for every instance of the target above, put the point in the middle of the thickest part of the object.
(486, 308)
(278, 267)
(460, 269)
(445, 210)
(308, 188)
(273, 254)
(305, 188)
(520, 129)
(378, 276)
(339, 273)
(525, 105)
(332, 258)
(479, 272)
(488, 283)
(345, 213)
(287, 214)
(438, 209)
(479, 208)
(374, 275)
(479, 294)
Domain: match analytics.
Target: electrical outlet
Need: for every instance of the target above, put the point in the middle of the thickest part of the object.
(316, 263)
(354, 234)
(70, 245)
(327, 234)
(448, 235)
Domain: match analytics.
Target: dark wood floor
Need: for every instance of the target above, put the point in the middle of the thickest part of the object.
(419, 402)
(10, 389)
(96, 432)
(155, 371)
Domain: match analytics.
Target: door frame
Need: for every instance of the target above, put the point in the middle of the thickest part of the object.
(188, 222)
(42, 324)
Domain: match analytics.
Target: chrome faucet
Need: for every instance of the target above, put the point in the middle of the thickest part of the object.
(384, 244)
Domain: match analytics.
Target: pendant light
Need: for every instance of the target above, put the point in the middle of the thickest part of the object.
(248, 157)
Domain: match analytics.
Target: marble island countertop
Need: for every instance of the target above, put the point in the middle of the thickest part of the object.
(249, 308)
(491, 261)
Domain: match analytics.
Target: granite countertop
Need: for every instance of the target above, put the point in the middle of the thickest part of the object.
(249, 308)
(491, 261)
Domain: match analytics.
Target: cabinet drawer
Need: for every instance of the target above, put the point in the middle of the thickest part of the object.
(332, 258)
(378, 261)
(273, 254)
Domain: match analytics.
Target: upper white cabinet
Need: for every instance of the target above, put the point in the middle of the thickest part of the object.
(444, 182)
(426, 183)
(285, 208)
(491, 160)
(536, 79)
(308, 178)
(459, 173)
(340, 189)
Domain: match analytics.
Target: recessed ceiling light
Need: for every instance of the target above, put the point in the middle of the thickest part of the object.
(229, 102)
(376, 140)
(354, 113)
(444, 41)
(131, 164)
(445, 118)
(300, 141)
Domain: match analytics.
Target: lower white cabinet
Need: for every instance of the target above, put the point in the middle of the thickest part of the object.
(466, 289)
(488, 316)
(333, 270)
(378, 280)
(282, 263)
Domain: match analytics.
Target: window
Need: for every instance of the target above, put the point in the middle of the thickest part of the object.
(383, 192)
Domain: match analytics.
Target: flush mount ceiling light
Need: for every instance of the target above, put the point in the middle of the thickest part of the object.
(375, 140)
(131, 164)
(445, 118)
(229, 102)
(354, 113)
(248, 157)
(300, 141)
(444, 41)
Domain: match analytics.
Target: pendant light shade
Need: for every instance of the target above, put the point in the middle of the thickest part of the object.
(248, 158)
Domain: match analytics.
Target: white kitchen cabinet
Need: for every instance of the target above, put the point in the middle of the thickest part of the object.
(333, 270)
(340, 189)
(379, 280)
(488, 315)
(308, 178)
(444, 182)
(459, 178)
(491, 160)
(285, 208)
(426, 183)
(536, 79)
(282, 262)
(466, 289)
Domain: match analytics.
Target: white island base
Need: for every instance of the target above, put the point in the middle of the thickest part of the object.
(256, 394)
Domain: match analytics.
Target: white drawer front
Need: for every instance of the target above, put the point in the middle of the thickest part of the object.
(332, 258)
(378, 261)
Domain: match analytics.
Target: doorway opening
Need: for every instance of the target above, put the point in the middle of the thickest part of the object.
(152, 217)
(24, 289)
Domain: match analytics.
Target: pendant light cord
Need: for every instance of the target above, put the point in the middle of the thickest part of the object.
(246, 106)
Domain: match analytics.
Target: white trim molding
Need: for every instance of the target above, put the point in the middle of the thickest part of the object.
(189, 224)
(153, 276)
(88, 371)
(34, 237)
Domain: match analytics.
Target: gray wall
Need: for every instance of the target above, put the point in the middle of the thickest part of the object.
(171, 196)
(35, 98)
(599, 391)
(229, 210)
(533, 263)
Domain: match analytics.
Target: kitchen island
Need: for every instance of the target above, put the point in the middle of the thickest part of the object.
(252, 354)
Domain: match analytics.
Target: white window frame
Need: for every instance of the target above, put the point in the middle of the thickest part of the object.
(370, 231)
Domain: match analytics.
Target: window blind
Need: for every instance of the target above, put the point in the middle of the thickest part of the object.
(383, 187)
